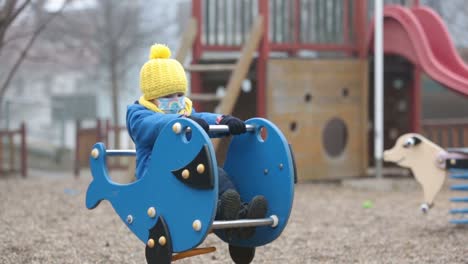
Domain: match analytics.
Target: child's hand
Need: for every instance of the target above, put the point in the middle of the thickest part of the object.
(200, 122)
(236, 126)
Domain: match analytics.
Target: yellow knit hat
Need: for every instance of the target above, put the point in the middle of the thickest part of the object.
(161, 76)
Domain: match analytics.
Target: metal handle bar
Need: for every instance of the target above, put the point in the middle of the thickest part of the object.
(224, 128)
(121, 152)
(213, 128)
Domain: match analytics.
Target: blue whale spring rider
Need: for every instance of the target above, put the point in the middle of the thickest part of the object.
(175, 211)
(172, 205)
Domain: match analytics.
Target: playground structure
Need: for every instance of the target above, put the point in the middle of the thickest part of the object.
(322, 105)
(283, 90)
(8, 153)
(175, 211)
(308, 70)
(431, 165)
(330, 98)
(419, 35)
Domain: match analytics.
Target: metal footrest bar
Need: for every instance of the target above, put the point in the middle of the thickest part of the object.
(270, 221)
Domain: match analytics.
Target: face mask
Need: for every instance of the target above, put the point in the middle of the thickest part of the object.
(171, 105)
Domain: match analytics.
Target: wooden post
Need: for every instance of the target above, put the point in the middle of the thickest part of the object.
(1, 152)
(263, 59)
(11, 151)
(107, 128)
(345, 22)
(24, 151)
(297, 27)
(187, 41)
(456, 134)
(77, 149)
(444, 136)
(99, 136)
(360, 27)
(465, 135)
(195, 77)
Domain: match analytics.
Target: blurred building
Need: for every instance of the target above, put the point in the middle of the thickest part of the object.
(69, 62)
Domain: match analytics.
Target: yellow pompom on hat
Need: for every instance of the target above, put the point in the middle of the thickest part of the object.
(161, 75)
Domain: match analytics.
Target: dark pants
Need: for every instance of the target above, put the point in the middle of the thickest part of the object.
(224, 182)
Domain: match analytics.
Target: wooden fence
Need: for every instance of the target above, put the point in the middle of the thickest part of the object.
(86, 137)
(447, 133)
(9, 160)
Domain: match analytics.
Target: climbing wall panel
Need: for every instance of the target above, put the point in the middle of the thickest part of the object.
(321, 106)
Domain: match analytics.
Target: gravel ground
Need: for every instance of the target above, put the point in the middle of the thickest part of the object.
(44, 220)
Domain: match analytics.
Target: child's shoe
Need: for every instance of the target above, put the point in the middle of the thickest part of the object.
(257, 208)
(229, 206)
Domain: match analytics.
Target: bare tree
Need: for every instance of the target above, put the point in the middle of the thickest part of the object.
(119, 25)
(9, 13)
(116, 38)
(112, 32)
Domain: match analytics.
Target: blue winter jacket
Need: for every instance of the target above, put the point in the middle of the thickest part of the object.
(144, 126)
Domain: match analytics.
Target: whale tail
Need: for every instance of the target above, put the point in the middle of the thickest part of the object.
(92, 196)
(101, 183)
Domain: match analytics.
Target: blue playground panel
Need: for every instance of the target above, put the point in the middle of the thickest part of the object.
(265, 167)
(158, 188)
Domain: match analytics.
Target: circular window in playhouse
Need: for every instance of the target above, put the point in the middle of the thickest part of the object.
(335, 137)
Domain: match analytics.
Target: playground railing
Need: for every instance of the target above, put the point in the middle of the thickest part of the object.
(8, 152)
(323, 25)
(102, 131)
(447, 133)
(318, 25)
(115, 136)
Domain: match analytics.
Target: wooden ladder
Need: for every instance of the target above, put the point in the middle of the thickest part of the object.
(239, 69)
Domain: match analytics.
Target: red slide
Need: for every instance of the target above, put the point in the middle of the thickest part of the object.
(420, 35)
